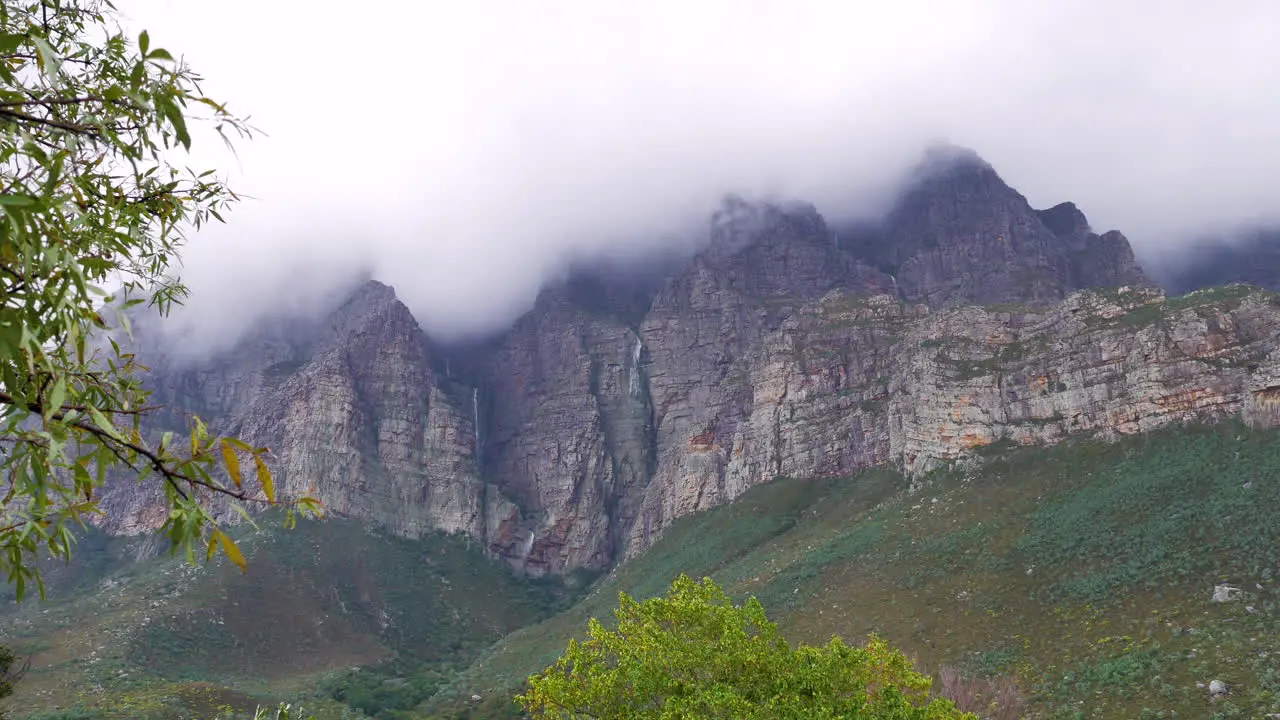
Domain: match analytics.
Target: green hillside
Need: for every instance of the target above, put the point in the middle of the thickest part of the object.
(1084, 573)
(162, 639)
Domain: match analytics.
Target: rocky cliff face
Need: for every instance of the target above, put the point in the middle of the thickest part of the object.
(354, 414)
(783, 348)
(850, 382)
(959, 235)
(569, 436)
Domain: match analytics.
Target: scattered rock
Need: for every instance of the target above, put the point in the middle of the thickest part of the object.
(1217, 689)
(1225, 593)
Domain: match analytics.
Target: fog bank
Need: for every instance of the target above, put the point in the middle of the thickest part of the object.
(465, 152)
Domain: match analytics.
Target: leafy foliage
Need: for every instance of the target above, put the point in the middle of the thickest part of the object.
(694, 654)
(89, 200)
(10, 672)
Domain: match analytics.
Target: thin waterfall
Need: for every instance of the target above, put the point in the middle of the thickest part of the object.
(528, 547)
(634, 384)
(475, 417)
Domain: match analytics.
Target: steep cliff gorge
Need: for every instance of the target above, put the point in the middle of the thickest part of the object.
(785, 347)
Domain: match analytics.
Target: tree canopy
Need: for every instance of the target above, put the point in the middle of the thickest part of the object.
(94, 210)
(695, 654)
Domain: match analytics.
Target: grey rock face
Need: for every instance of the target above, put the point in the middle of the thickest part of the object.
(354, 414)
(569, 436)
(959, 235)
(1105, 260)
(851, 382)
(604, 413)
(765, 262)
(365, 425)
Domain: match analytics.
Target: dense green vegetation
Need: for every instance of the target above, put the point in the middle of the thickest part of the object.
(694, 654)
(1073, 581)
(169, 640)
(1082, 574)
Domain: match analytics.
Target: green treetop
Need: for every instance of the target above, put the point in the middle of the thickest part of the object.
(695, 654)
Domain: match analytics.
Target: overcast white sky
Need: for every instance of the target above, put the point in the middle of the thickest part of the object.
(464, 149)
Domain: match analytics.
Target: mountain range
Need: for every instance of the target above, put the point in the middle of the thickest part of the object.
(787, 346)
(977, 428)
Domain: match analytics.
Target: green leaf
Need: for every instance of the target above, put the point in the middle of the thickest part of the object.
(171, 113)
(160, 54)
(244, 515)
(144, 41)
(238, 443)
(10, 42)
(16, 200)
(103, 424)
(56, 397)
(50, 63)
(232, 460)
(265, 479)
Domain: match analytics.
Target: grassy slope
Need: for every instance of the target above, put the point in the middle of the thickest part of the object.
(1085, 571)
(162, 639)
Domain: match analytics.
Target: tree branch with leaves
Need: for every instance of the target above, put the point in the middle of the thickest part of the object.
(93, 216)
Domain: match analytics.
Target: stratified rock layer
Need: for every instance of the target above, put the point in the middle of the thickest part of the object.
(783, 348)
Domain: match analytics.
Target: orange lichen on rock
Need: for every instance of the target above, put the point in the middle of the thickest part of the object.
(703, 442)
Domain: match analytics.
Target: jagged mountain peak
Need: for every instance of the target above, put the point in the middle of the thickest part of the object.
(949, 176)
(740, 223)
(959, 234)
(368, 299)
(1066, 220)
(944, 159)
(371, 292)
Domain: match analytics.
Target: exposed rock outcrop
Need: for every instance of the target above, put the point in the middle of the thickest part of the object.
(851, 382)
(354, 415)
(783, 348)
(959, 235)
(569, 436)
